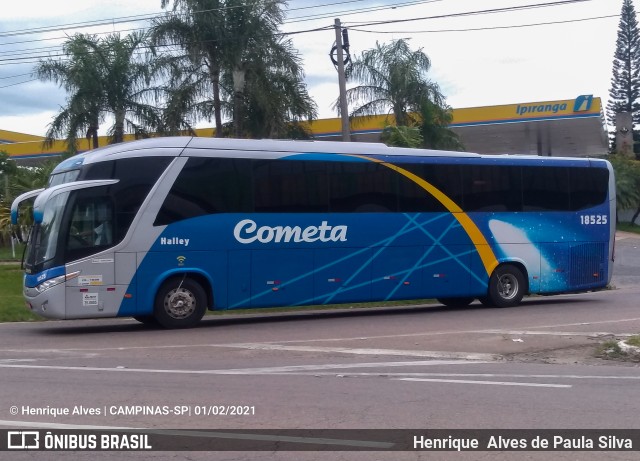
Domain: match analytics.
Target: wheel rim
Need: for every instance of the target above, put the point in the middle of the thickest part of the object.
(507, 286)
(180, 303)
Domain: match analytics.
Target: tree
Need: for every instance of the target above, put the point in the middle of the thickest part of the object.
(401, 136)
(79, 76)
(197, 29)
(105, 77)
(253, 24)
(625, 81)
(274, 100)
(627, 173)
(15, 181)
(234, 63)
(128, 71)
(393, 79)
(434, 127)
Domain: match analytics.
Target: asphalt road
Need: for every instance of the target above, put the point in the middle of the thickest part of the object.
(421, 367)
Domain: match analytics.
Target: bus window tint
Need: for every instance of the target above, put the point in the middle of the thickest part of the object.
(136, 178)
(290, 186)
(413, 197)
(492, 188)
(91, 224)
(546, 188)
(588, 187)
(445, 178)
(204, 186)
(362, 188)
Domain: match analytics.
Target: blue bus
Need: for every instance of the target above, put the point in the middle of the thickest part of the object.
(163, 229)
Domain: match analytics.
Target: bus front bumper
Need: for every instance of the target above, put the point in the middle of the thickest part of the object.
(48, 303)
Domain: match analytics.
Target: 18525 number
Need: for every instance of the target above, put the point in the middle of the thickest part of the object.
(593, 219)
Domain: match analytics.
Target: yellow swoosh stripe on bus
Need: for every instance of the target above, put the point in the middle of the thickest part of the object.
(480, 242)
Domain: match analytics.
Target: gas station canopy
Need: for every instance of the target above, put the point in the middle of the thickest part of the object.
(565, 128)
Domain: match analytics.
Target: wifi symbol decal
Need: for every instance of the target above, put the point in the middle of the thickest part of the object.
(181, 260)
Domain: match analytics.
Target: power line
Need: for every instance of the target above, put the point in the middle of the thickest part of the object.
(515, 26)
(151, 16)
(19, 83)
(473, 13)
(27, 59)
(358, 11)
(16, 76)
(137, 18)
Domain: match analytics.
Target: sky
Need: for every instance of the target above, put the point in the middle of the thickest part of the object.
(532, 54)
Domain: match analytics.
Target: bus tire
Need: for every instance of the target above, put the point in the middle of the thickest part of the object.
(455, 302)
(180, 303)
(507, 286)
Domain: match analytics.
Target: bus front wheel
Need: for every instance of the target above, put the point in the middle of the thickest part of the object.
(507, 286)
(180, 303)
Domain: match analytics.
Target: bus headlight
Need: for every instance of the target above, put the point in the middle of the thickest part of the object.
(44, 286)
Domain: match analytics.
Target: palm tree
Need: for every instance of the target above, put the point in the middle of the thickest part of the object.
(393, 79)
(79, 76)
(233, 58)
(401, 136)
(128, 71)
(198, 30)
(434, 127)
(274, 97)
(253, 24)
(104, 77)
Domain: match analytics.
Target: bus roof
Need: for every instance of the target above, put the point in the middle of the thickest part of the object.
(267, 148)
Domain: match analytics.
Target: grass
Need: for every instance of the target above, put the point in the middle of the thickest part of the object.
(611, 350)
(634, 341)
(6, 254)
(628, 227)
(12, 307)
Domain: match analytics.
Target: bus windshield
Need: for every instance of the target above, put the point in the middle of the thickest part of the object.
(43, 243)
(74, 225)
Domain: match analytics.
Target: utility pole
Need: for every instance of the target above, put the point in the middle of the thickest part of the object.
(624, 134)
(342, 82)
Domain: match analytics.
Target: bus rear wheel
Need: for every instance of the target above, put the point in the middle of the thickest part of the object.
(507, 286)
(455, 302)
(180, 303)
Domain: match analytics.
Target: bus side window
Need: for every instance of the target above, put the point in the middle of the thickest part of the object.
(492, 188)
(91, 225)
(283, 186)
(359, 187)
(207, 186)
(545, 188)
(589, 187)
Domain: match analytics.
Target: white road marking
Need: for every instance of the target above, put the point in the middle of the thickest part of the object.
(247, 371)
(470, 375)
(363, 351)
(272, 346)
(594, 334)
(495, 383)
(455, 332)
